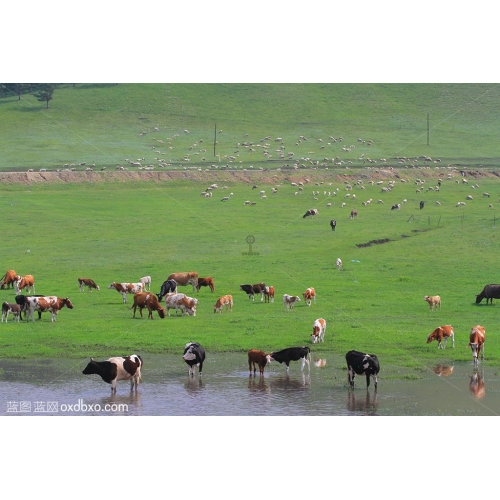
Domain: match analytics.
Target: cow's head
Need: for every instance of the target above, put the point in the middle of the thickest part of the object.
(269, 358)
(66, 302)
(161, 312)
(113, 285)
(90, 368)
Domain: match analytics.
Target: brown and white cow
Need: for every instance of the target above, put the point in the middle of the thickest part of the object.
(184, 279)
(477, 338)
(208, 281)
(269, 294)
(119, 368)
(309, 296)
(149, 301)
(434, 301)
(259, 358)
(22, 282)
(124, 288)
(319, 328)
(442, 333)
(50, 303)
(8, 308)
(187, 305)
(8, 279)
(354, 214)
(289, 301)
(87, 282)
(224, 301)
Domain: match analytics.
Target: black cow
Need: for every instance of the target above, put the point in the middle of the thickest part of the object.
(251, 290)
(421, 205)
(21, 300)
(169, 286)
(194, 355)
(114, 369)
(293, 354)
(489, 292)
(311, 212)
(333, 224)
(361, 363)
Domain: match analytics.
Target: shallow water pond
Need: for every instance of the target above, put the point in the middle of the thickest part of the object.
(58, 387)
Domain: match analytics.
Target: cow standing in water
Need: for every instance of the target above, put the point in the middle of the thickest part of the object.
(361, 363)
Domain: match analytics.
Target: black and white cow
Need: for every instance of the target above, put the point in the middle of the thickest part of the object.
(169, 286)
(251, 290)
(422, 205)
(119, 368)
(292, 354)
(396, 206)
(311, 213)
(194, 355)
(361, 363)
(333, 224)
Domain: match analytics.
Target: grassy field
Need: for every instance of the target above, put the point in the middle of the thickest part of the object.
(120, 231)
(323, 124)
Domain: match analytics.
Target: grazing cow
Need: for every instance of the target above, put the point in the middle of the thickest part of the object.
(184, 279)
(146, 280)
(194, 355)
(259, 358)
(434, 301)
(7, 308)
(150, 301)
(442, 333)
(333, 224)
(319, 329)
(87, 282)
(269, 294)
(225, 300)
(309, 296)
(169, 286)
(489, 292)
(339, 263)
(397, 206)
(292, 354)
(311, 213)
(50, 303)
(361, 363)
(124, 288)
(27, 282)
(421, 205)
(115, 369)
(251, 290)
(187, 305)
(289, 301)
(354, 214)
(208, 281)
(8, 279)
(477, 338)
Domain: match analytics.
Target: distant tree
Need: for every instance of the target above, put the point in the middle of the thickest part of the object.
(45, 93)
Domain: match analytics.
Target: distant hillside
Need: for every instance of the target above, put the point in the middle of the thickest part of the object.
(170, 126)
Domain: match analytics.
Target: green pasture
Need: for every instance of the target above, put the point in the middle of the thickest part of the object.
(255, 125)
(122, 231)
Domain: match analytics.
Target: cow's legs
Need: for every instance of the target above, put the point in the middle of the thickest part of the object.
(350, 377)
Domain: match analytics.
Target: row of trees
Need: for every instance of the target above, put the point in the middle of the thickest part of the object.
(41, 91)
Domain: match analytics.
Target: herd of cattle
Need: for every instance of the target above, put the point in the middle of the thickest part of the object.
(129, 367)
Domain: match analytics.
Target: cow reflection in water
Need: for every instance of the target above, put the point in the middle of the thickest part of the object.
(193, 386)
(477, 385)
(257, 384)
(443, 370)
(365, 405)
(292, 384)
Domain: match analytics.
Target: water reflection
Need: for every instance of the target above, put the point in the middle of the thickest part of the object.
(193, 386)
(291, 384)
(477, 385)
(443, 370)
(319, 363)
(366, 405)
(257, 383)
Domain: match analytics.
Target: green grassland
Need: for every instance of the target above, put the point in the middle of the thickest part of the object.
(175, 124)
(120, 231)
